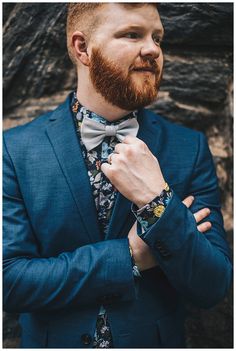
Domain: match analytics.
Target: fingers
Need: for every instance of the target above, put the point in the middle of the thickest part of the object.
(110, 157)
(203, 227)
(105, 168)
(201, 214)
(188, 201)
(128, 142)
(108, 167)
(120, 147)
(129, 139)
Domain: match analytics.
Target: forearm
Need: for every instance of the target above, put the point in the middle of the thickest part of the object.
(196, 265)
(96, 273)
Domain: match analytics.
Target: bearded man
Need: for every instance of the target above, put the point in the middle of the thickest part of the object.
(111, 213)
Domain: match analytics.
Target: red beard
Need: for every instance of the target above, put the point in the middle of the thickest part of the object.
(109, 80)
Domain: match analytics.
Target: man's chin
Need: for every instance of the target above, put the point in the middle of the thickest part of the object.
(141, 76)
(142, 79)
(140, 100)
(145, 89)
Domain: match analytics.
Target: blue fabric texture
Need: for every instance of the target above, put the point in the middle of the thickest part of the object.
(59, 267)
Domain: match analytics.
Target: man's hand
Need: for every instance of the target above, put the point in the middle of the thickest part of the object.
(142, 254)
(199, 215)
(135, 171)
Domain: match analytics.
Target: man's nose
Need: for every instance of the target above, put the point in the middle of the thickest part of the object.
(151, 49)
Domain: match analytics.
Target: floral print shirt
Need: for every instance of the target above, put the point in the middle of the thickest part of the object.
(103, 191)
(105, 194)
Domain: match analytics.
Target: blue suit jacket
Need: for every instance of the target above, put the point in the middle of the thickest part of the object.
(58, 270)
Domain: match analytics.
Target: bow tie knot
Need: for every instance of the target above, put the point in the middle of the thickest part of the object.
(111, 130)
(93, 132)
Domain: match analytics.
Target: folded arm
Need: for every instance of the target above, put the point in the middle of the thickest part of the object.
(197, 265)
(96, 273)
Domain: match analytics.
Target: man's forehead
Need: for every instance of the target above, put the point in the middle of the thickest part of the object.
(118, 15)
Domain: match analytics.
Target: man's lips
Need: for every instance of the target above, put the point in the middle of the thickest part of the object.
(144, 69)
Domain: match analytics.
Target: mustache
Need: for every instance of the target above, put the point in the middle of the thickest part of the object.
(148, 64)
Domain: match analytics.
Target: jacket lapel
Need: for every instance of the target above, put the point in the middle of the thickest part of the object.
(122, 217)
(62, 135)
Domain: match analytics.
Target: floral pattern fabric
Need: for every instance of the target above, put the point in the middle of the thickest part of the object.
(104, 195)
(103, 191)
(102, 337)
(150, 213)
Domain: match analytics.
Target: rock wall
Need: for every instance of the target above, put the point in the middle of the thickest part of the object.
(196, 91)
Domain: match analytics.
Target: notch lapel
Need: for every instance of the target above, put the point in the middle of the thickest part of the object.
(122, 217)
(62, 135)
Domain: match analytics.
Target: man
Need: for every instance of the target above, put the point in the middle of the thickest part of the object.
(101, 248)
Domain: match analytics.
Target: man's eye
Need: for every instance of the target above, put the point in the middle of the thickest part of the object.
(157, 40)
(132, 35)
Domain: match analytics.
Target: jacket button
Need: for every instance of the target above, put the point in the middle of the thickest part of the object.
(165, 253)
(158, 244)
(86, 339)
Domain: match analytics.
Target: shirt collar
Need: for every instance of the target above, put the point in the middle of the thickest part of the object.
(80, 112)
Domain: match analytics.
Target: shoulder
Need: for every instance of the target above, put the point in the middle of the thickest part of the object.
(22, 142)
(28, 130)
(34, 130)
(176, 142)
(171, 131)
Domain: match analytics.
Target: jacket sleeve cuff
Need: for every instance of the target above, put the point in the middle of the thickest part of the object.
(168, 230)
(119, 277)
(149, 214)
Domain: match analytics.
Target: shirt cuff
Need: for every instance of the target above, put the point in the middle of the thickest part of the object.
(150, 213)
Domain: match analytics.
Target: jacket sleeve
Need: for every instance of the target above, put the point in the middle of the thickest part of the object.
(92, 274)
(197, 265)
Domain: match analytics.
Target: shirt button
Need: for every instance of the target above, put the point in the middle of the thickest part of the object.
(86, 339)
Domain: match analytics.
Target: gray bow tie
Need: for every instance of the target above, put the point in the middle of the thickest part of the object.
(93, 133)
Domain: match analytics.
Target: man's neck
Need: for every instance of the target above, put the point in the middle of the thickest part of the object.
(96, 103)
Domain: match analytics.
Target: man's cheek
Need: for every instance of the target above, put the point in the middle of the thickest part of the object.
(160, 61)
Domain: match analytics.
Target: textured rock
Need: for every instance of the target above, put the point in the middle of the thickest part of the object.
(205, 24)
(35, 61)
(185, 80)
(196, 91)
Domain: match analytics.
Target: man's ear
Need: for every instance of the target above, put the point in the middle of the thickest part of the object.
(80, 47)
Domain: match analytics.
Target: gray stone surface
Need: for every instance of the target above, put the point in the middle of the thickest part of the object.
(196, 91)
(198, 24)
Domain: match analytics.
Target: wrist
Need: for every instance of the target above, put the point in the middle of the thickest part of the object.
(151, 195)
(136, 270)
(143, 260)
(135, 258)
